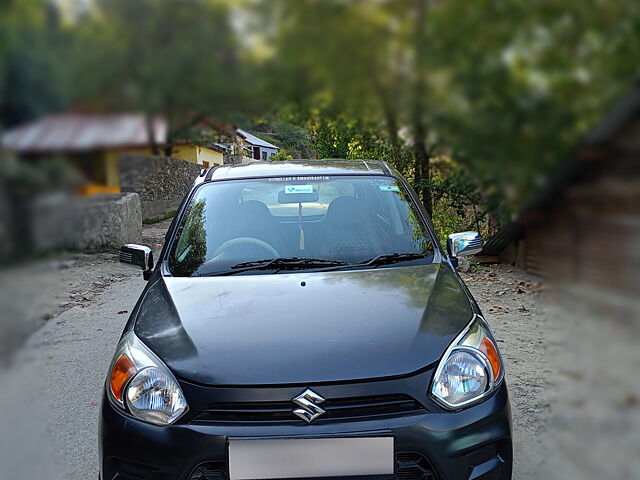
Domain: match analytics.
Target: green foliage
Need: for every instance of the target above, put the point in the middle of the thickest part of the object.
(506, 90)
(353, 139)
(281, 156)
(291, 137)
(514, 93)
(190, 250)
(32, 80)
(166, 216)
(457, 203)
(170, 57)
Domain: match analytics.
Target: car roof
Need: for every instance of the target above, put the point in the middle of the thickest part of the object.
(328, 166)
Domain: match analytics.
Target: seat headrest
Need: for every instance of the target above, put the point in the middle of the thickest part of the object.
(345, 211)
(252, 212)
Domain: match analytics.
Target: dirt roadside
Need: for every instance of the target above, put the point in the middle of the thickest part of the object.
(513, 304)
(572, 376)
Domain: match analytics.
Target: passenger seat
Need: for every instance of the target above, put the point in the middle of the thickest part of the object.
(347, 233)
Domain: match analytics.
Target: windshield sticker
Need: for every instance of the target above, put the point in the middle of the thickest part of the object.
(298, 189)
(389, 188)
(301, 178)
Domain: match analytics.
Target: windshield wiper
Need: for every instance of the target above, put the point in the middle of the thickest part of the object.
(297, 263)
(284, 263)
(389, 258)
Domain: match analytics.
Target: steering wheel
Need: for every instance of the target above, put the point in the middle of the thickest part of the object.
(245, 244)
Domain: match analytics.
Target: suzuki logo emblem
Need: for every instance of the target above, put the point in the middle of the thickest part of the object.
(308, 402)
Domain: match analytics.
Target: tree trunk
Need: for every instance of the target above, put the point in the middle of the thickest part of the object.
(391, 121)
(421, 153)
(168, 148)
(422, 167)
(151, 134)
(390, 113)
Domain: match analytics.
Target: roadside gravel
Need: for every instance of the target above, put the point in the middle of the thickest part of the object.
(514, 305)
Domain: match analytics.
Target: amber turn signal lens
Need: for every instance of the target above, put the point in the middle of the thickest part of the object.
(122, 371)
(489, 349)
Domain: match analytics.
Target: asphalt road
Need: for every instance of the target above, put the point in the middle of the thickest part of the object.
(52, 390)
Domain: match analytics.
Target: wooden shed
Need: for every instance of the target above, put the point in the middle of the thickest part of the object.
(585, 226)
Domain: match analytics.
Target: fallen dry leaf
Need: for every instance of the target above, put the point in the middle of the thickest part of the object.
(627, 400)
(572, 375)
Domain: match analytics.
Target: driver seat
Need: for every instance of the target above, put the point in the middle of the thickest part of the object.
(254, 220)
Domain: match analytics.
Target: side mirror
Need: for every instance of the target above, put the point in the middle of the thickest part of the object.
(138, 255)
(464, 244)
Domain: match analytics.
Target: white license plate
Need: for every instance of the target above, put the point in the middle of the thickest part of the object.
(310, 457)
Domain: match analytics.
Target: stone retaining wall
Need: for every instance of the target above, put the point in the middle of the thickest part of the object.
(99, 222)
(230, 159)
(161, 182)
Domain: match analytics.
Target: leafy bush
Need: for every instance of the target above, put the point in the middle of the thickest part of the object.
(457, 201)
(281, 156)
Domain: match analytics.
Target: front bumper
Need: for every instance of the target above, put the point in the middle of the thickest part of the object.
(474, 443)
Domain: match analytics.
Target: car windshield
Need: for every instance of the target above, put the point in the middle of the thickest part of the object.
(268, 225)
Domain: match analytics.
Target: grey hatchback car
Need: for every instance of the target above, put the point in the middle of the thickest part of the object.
(303, 321)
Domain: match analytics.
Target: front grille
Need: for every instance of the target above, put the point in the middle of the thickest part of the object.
(409, 466)
(413, 466)
(337, 410)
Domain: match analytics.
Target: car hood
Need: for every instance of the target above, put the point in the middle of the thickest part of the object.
(306, 327)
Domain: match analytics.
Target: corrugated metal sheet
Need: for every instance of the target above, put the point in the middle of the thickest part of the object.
(74, 132)
(598, 250)
(498, 242)
(253, 140)
(551, 249)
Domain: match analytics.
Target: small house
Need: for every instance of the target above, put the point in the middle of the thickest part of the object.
(91, 142)
(257, 148)
(209, 155)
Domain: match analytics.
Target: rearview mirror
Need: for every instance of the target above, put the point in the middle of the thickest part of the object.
(138, 255)
(285, 197)
(464, 244)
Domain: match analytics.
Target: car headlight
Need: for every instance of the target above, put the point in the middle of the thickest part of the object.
(142, 385)
(470, 369)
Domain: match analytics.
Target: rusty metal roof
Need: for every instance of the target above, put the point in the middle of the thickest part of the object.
(78, 132)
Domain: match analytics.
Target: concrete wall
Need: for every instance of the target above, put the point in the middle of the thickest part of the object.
(101, 222)
(270, 152)
(208, 155)
(188, 153)
(196, 154)
(161, 182)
